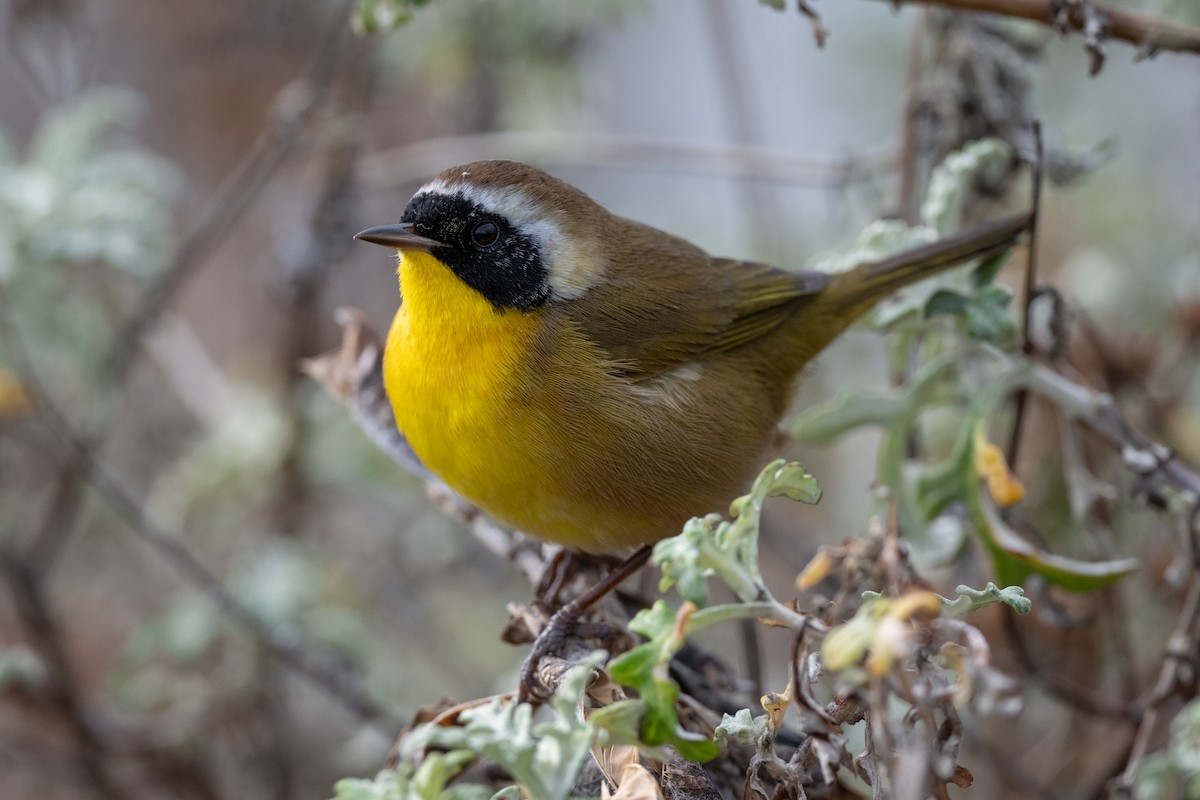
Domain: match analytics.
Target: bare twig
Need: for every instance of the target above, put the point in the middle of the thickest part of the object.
(1181, 647)
(1149, 34)
(34, 608)
(307, 273)
(1027, 347)
(410, 164)
(758, 213)
(910, 145)
(1055, 685)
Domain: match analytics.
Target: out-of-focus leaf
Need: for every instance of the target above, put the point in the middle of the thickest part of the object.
(381, 16)
(278, 583)
(1014, 559)
(80, 199)
(941, 215)
(20, 667)
(985, 313)
(952, 181)
(742, 728)
(969, 599)
(988, 318)
(1174, 771)
(184, 633)
(14, 400)
(848, 411)
(235, 458)
(986, 272)
(428, 781)
(880, 632)
(945, 301)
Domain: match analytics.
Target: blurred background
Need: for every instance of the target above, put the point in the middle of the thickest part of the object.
(179, 184)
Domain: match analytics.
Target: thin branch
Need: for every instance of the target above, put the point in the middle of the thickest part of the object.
(1027, 346)
(1149, 34)
(1181, 646)
(413, 163)
(758, 210)
(34, 609)
(910, 137)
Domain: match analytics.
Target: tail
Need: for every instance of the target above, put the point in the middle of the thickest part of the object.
(853, 293)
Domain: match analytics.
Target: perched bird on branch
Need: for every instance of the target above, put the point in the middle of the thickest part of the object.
(592, 380)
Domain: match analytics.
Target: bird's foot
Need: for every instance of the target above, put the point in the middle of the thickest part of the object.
(564, 622)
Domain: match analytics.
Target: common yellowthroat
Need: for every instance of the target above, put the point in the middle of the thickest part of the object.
(594, 381)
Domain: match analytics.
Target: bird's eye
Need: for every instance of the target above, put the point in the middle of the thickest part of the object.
(485, 234)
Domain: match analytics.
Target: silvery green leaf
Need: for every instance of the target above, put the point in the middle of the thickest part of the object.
(742, 728)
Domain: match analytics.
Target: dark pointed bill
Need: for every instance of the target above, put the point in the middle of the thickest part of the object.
(398, 237)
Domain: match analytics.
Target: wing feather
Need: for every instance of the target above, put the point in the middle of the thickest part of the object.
(678, 305)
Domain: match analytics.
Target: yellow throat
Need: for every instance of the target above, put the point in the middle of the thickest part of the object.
(452, 369)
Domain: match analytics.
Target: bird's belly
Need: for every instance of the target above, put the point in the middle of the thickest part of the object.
(575, 459)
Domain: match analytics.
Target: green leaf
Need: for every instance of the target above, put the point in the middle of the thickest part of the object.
(939, 485)
(969, 599)
(693, 746)
(945, 301)
(431, 778)
(80, 200)
(794, 482)
(986, 272)
(684, 559)
(742, 728)
(545, 758)
(382, 16)
(1014, 559)
(848, 411)
(620, 722)
(985, 313)
(988, 318)
(954, 178)
(709, 547)
(655, 622)
(429, 781)
(646, 668)
(387, 785)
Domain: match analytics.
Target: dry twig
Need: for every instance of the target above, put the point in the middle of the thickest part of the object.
(1096, 21)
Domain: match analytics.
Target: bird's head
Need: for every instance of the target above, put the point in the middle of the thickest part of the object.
(517, 236)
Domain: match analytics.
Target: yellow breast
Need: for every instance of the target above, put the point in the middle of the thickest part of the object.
(454, 370)
(519, 414)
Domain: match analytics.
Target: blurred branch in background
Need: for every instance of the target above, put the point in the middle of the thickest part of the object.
(1096, 22)
(293, 114)
(330, 674)
(402, 167)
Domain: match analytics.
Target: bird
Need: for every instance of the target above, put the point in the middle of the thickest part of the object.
(592, 380)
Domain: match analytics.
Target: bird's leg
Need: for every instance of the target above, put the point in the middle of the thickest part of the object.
(563, 622)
